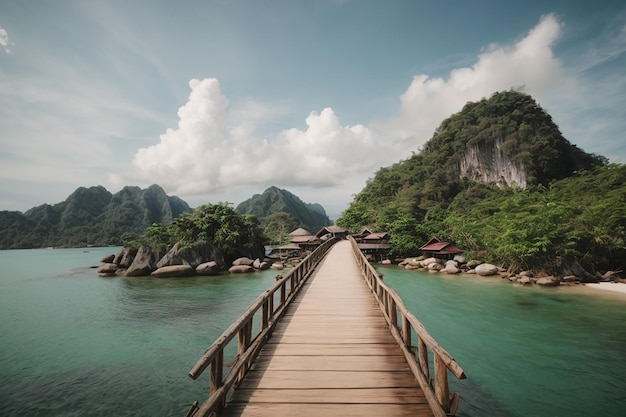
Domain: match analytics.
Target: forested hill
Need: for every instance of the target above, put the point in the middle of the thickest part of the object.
(280, 212)
(89, 216)
(501, 181)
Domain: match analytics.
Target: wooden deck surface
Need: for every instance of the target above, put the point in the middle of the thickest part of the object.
(331, 355)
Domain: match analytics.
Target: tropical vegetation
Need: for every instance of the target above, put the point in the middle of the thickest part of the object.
(233, 233)
(570, 217)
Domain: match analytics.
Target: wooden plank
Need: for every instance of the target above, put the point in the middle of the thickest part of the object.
(331, 349)
(345, 396)
(328, 379)
(317, 410)
(329, 363)
(331, 354)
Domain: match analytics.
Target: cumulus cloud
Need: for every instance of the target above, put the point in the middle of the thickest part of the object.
(4, 41)
(214, 146)
(529, 63)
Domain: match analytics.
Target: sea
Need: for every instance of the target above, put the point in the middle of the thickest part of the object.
(73, 343)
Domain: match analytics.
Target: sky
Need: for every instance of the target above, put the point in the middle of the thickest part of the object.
(216, 100)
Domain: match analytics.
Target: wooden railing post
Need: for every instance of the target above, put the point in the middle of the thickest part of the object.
(216, 373)
(422, 357)
(406, 331)
(442, 390)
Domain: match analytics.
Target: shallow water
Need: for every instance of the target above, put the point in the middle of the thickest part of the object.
(527, 351)
(75, 344)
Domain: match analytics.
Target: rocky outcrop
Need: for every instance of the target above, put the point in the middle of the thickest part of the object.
(174, 271)
(200, 252)
(240, 269)
(107, 269)
(208, 268)
(487, 162)
(144, 263)
(243, 261)
(124, 257)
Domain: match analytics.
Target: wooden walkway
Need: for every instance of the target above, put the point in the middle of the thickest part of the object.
(332, 354)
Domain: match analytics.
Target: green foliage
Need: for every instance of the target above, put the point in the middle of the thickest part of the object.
(573, 210)
(90, 216)
(233, 233)
(275, 200)
(277, 226)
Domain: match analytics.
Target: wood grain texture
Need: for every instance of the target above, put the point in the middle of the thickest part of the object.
(331, 354)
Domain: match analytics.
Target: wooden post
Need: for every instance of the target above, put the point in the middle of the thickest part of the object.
(406, 331)
(283, 293)
(265, 315)
(422, 356)
(393, 314)
(215, 376)
(442, 392)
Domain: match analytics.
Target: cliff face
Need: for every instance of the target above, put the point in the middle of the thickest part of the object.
(488, 163)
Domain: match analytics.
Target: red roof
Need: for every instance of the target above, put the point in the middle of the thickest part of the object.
(445, 248)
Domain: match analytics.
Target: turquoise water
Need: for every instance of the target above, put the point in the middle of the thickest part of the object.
(527, 351)
(75, 344)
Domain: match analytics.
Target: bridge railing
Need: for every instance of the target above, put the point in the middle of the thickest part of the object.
(402, 324)
(267, 309)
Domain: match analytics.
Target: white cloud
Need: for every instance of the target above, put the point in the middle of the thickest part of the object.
(530, 62)
(214, 146)
(4, 41)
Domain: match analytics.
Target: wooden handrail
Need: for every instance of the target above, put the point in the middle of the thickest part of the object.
(248, 347)
(439, 399)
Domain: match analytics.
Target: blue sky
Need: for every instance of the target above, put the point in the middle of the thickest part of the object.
(217, 100)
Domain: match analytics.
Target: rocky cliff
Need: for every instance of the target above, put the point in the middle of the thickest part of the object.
(489, 163)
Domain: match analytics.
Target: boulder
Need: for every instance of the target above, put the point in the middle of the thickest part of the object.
(524, 280)
(570, 278)
(436, 267)
(144, 263)
(208, 268)
(460, 259)
(173, 271)
(200, 252)
(240, 269)
(526, 274)
(429, 261)
(260, 265)
(243, 261)
(125, 256)
(107, 268)
(411, 267)
(549, 281)
(385, 262)
(486, 270)
(473, 263)
(279, 266)
(451, 269)
(108, 259)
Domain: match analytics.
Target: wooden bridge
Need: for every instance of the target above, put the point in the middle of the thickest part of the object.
(333, 339)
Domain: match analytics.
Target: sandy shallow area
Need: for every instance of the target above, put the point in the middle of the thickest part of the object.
(618, 287)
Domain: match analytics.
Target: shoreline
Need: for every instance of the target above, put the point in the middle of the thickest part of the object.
(614, 287)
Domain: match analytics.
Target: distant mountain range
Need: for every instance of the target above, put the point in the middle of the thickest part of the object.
(89, 216)
(92, 216)
(281, 212)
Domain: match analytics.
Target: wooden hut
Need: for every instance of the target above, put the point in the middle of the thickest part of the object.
(440, 250)
(375, 246)
(332, 231)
